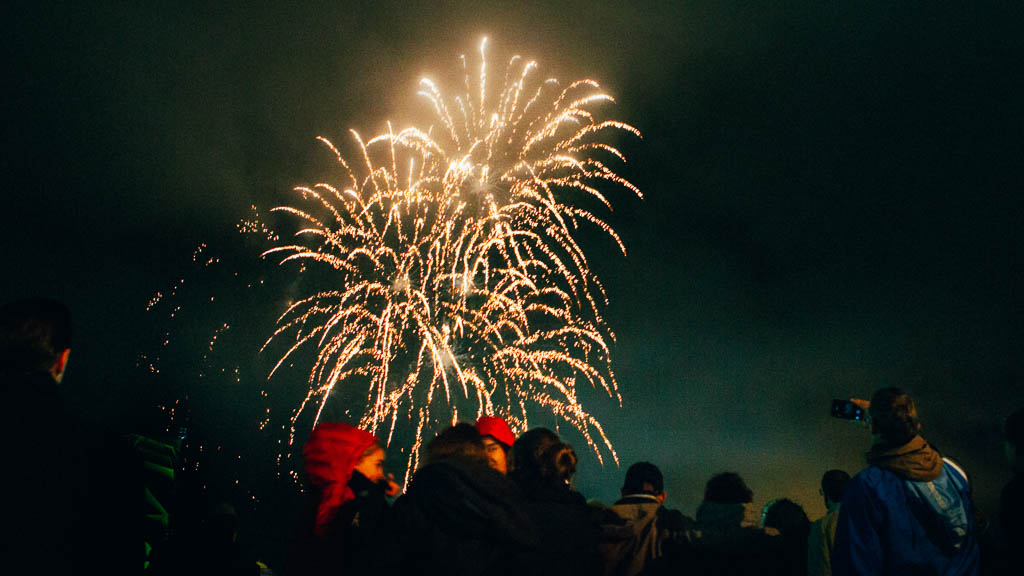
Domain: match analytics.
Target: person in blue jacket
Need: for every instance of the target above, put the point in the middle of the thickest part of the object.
(910, 510)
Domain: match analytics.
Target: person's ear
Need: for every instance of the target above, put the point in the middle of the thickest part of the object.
(661, 497)
(60, 365)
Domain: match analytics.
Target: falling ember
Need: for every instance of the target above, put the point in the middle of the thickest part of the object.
(256, 226)
(459, 287)
(154, 301)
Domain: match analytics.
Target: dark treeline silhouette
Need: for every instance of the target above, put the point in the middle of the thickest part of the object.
(483, 502)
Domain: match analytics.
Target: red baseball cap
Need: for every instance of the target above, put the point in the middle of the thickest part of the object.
(497, 428)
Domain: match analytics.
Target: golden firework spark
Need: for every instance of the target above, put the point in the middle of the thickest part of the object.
(533, 153)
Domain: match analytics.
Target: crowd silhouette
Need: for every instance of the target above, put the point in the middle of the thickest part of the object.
(484, 501)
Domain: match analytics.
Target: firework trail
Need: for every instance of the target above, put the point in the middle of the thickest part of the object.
(459, 281)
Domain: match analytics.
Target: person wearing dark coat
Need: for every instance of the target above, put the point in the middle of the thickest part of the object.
(790, 521)
(639, 535)
(543, 467)
(73, 497)
(460, 517)
(725, 540)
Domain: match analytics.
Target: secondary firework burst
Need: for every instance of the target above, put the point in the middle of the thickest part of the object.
(459, 283)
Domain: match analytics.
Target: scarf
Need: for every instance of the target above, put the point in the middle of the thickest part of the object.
(915, 461)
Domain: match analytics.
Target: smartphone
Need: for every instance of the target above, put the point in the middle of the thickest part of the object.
(847, 410)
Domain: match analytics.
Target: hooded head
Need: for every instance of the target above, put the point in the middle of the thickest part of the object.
(331, 455)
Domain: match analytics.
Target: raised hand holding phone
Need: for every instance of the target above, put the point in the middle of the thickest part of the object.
(854, 409)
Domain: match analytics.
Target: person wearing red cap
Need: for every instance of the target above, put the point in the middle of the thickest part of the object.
(498, 439)
(344, 468)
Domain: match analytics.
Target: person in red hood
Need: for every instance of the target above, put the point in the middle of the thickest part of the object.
(348, 508)
(498, 440)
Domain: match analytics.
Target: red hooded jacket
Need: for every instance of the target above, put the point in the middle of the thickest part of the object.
(331, 454)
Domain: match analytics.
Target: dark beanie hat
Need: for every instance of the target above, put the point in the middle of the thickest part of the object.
(643, 477)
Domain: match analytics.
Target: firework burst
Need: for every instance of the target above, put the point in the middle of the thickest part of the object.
(532, 152)
(458, 278)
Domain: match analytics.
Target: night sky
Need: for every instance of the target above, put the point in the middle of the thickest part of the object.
(832, 205)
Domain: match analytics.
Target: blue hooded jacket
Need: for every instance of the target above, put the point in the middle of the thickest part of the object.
(889, 524)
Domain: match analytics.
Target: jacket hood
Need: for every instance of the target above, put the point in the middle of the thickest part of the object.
(915, 460)
(632, 519)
